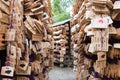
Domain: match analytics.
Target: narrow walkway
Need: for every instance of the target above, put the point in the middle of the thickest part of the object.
(58, 73)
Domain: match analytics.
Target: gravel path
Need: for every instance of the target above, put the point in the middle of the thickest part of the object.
(58, 73)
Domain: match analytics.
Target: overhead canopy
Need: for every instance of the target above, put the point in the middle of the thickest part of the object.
(60, 23)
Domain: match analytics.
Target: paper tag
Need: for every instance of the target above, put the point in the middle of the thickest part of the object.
(10, 35)
(101, 56)
(100, 23)
(117, 45)
(7, 71)
(116, 5)
(108, 18)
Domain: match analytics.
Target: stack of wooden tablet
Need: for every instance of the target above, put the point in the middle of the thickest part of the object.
(57, 35)
(61, 47)
(26, 25)
(4, 21)
(97, 40)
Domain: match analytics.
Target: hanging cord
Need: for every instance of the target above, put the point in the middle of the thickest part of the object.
(102, 37)
(11, 17)
(11, 26)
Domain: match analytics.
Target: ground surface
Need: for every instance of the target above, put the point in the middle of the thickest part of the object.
(58, 73)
